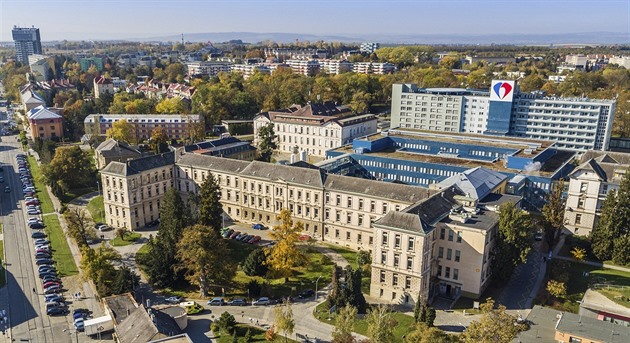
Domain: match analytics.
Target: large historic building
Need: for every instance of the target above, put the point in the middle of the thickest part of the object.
(574, 123)
(599, 172)
(431, 241)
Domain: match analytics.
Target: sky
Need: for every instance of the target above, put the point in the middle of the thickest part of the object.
(128, 19)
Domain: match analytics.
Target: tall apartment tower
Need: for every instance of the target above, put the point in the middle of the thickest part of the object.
(27, 42)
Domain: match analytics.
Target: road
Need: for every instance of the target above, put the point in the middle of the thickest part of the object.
(25, 307)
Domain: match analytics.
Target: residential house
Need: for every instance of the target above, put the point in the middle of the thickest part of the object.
(44, 123)
(103, 85)
(114, 150)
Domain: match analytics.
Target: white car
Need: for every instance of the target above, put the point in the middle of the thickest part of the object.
(173, 300)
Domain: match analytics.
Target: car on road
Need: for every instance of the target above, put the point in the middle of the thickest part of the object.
(7, 189)
(174, 300)
(38, 234)
(217, 301)
(237, 302)
(56, 311)
(262, 302)
(305, 294)
(259, 227)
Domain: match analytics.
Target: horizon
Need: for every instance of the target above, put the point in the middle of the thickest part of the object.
(143, 20)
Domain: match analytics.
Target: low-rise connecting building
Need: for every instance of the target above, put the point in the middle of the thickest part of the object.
(176, 126)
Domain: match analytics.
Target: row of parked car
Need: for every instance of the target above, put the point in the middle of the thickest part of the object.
(242, 237)
(262, 301)
(28, 188)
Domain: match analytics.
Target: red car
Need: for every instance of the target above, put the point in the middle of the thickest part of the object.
(51, 283)
(254, 240)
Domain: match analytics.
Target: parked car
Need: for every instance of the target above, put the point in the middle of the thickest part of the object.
(48, 273)
(237, 302)
(56, 311)
(305, 294)
(41, 261)
(49, 284)
(258, 227)
(79, 324)
(38, 234)
(53, 289)
(51, 278)
(31, 202)
(54, 297)
(36, 226)
(33, 211)
(239, 236)
(42, 254)
(174, 300)
(262, 301)
(42, 246)
(217, 301)
(254, 240)
(227, 233)
(235, 234)
(34, 220)
(41, 241)
(7, 189)
(245, 237)
(45, 268)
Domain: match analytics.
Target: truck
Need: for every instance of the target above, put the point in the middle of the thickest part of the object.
(98, 325)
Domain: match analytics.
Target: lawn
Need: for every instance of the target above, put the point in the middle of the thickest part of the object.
(404, 323)
(42, 192)
(130, 238)
(351, 257)
(257, 335)
(579, 282)
(64, 261)
(97, 209)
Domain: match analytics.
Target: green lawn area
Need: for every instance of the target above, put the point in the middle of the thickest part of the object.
(578, 284)
(97, 209)
(257, 335)
(129, 239)
(351, 257)
(404, 323)
(58, 243)
(75, 193)
(42, 192)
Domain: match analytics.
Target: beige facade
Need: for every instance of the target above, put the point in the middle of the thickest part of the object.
(589, 184)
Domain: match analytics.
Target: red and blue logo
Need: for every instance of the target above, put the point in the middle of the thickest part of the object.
(502, 89)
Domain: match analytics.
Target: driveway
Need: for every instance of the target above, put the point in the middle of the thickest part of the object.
(516, 294)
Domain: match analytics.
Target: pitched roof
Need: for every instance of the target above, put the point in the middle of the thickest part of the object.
(290, 174)
(142, 326)
(212, 162)
(403, 221)
(141, 164)
(40, 113)
(101, 80)
(603, 163)
(120, 306)
(393, 191)
(477, 182)
(113, 147)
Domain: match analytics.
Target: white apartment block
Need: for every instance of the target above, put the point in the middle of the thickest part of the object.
(578, 61)
(313, 131)
(589, 184)
(369, 48)
(39, 65)
(249, 69)
(304, 67)
(334, 67)
(573, 123)
(210, 68)
(622, 61)
(373, 68)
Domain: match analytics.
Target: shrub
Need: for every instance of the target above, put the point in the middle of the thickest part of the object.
(226, 322)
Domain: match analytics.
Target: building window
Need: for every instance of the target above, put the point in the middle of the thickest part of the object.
(449, 254)
(457, 255)
(410, 244)
(407, 282)
(440, 252)
(384, 238)
(583, 187)
(397, 241)
(578, 219)
(447, 272)
(372, 206)
(455, 273)
(383, 257)
(327, 214)
(459, 236)
(396, 260)
(347, 235)
(360, 222)
(382, 277)
(409, 263)
(442, 233)
(349, 202)
(439, 272)
(361, 204)
(336, 233)
(338, 200)
(384, 208)
(348, 218)
(580, 203)
(450, 235)
(395, 280)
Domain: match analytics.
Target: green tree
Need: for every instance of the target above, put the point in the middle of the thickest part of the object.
(201, 255)
(266, 142)
(344, 324)
(226, 322)
(431, 314)
(210, 207)
(513, 241)
(124, 281)
(420, 310)
(174, 217)
(78, 223)
(422, 333)
(604, 233)
(531, 82)
(496, 326)
(256, 263)
(159, 140)
(71, 168)
(98, 266)
(557, 289)
(553, 214)
(171, 106)
(284, 255)
(380, 325)
(284, 319)
(123, 131)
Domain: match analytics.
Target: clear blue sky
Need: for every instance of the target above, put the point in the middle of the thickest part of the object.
(102, 19)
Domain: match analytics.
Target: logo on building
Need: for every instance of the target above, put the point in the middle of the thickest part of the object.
(502, 90)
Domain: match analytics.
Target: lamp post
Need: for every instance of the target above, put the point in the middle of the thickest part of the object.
(316, 281)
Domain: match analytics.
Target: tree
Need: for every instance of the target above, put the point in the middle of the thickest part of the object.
(557, 289)
(256, 263)
(578, 253)
(159, 140)
(98, 266)
(125, 281)
(123, 131)
(270, 335)
(174, 217)
(431, 314)
(71, 168)
(284, 255)
(344, 323)
(494, 326)
(201, 254)
(380, 325)
(422, 333)
(513, 240)
(420, 310)
(171, 106)
(266, 142)
(226, 322)
(284, 319)
(78, 224)
(210, 207)
(121, 233)
(553, 214)
(611, 236)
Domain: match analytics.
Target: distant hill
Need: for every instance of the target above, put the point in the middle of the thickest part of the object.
(517, 39)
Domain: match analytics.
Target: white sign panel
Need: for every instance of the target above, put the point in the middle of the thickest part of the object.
(502, 91)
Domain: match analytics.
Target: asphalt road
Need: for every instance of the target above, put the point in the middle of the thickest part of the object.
(25, 306)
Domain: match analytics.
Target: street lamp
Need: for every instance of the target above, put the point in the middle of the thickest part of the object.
(316, 281)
